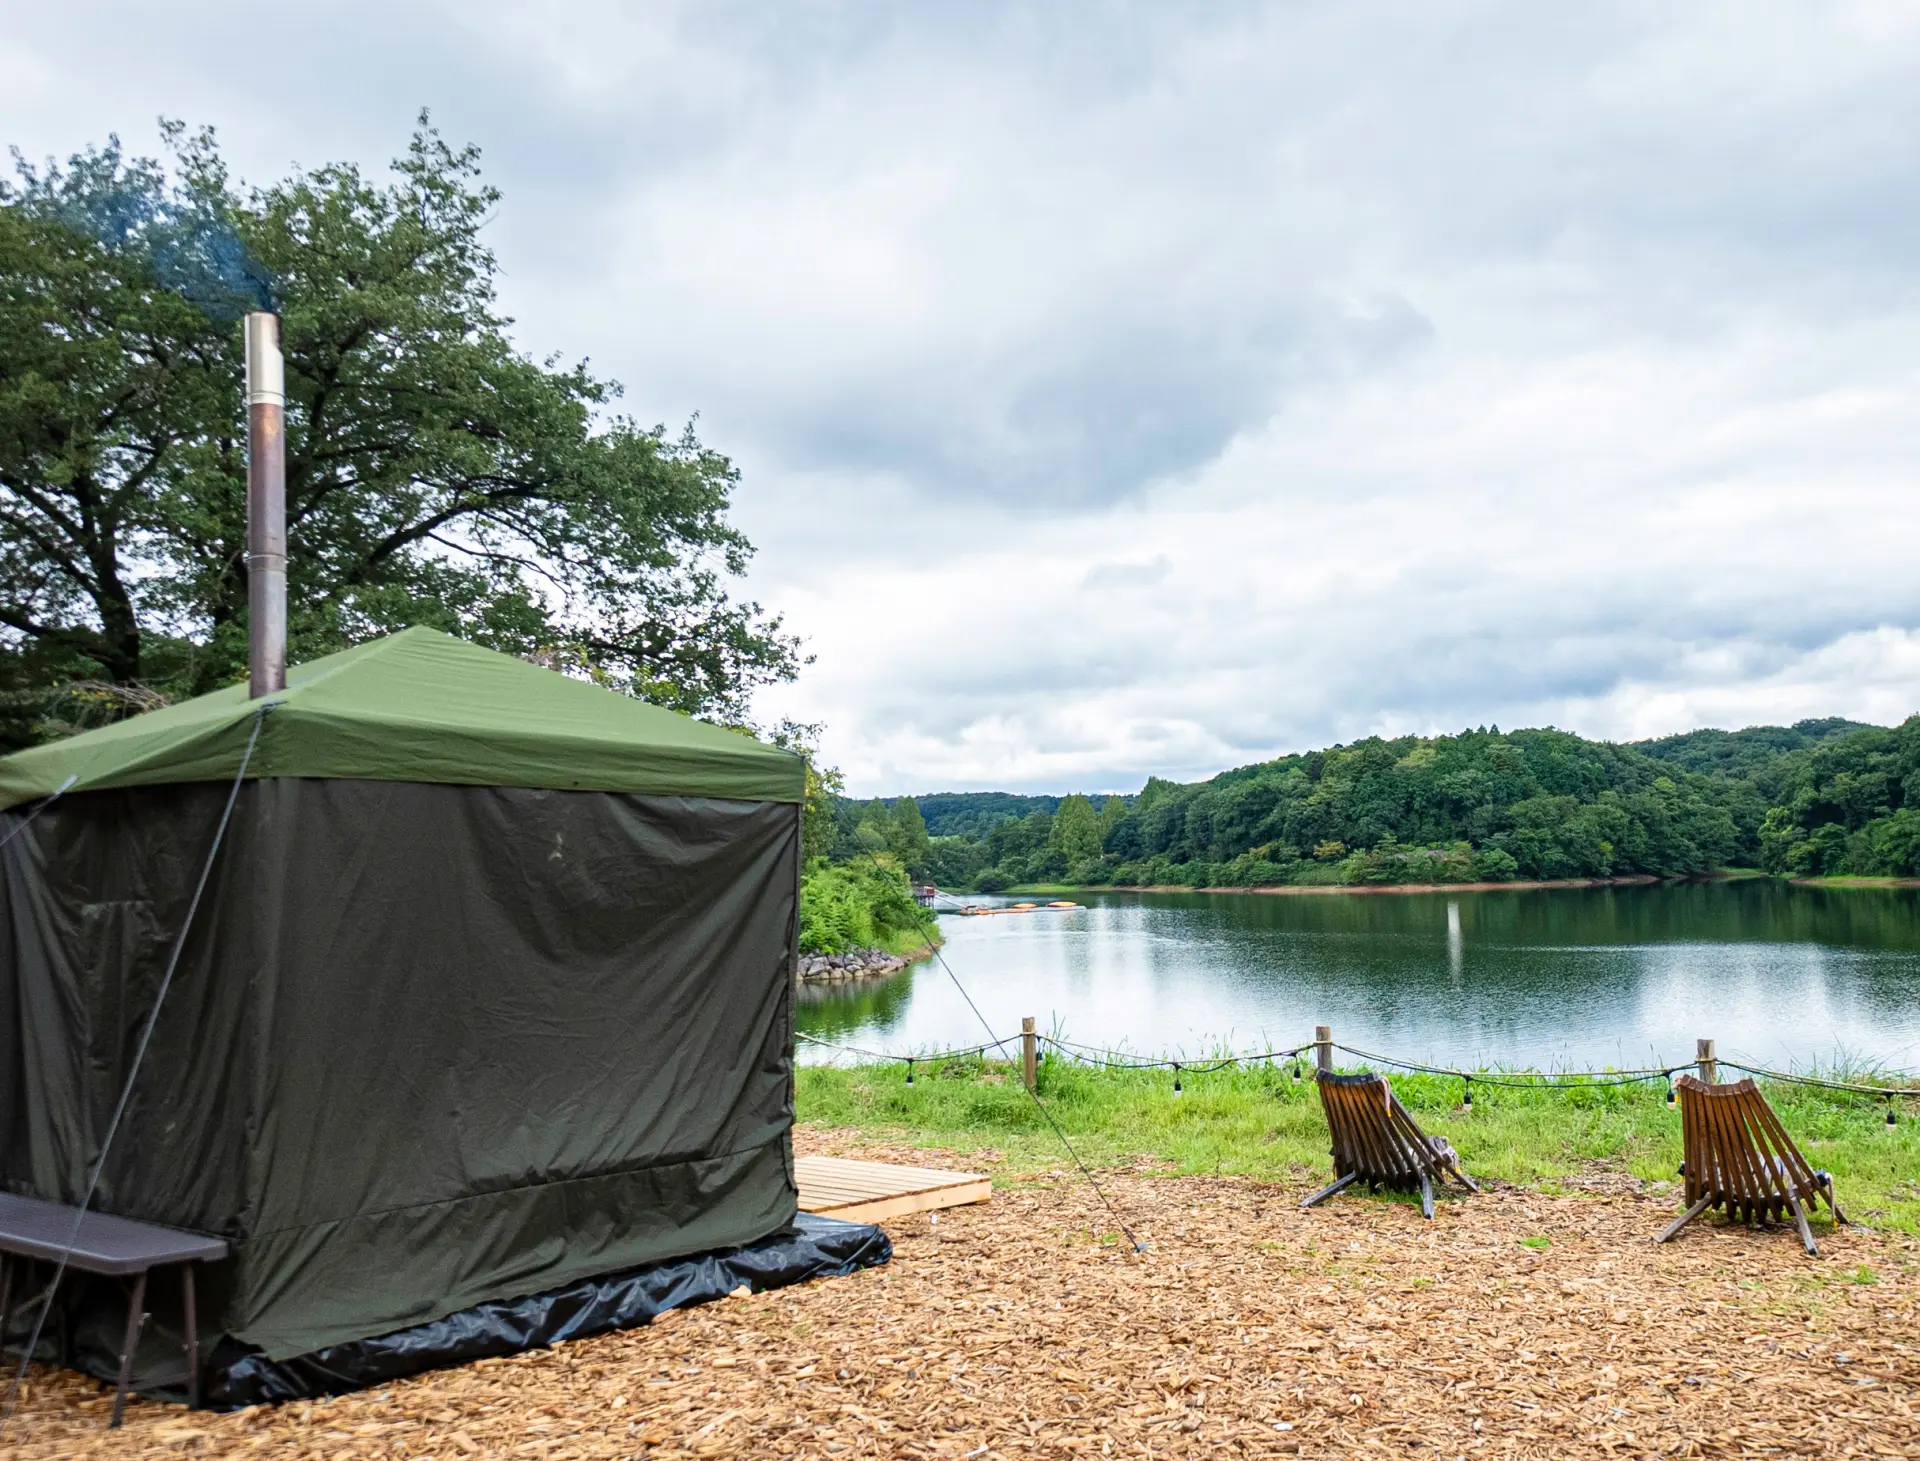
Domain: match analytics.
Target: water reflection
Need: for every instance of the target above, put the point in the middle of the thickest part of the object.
(1567, 977)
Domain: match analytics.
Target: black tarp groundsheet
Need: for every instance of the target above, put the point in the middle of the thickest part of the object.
(814, 1247)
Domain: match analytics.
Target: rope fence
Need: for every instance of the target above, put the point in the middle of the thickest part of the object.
(918, 1058)
(1566, 1080)
(1830, 1085)
(1034, 1047)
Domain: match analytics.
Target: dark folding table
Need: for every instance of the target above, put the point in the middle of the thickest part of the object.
(115, 1247)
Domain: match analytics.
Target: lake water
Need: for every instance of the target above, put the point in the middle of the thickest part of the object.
(1561, 978)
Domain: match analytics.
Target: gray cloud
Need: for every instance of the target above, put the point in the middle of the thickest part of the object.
(1124, 576)
(1125, 389)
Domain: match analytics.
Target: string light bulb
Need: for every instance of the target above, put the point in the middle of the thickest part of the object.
(1176, 1078)
(1890, 1110)
(1467, 1099)
(909, 1070)
(1669, 1092)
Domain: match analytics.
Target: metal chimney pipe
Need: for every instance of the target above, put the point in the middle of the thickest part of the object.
(266, 506)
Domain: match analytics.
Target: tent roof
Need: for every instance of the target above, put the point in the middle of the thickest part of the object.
(419, 706)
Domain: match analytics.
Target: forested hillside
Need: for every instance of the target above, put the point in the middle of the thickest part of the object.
(1760, 753)
(1822, 797)
(976, 813)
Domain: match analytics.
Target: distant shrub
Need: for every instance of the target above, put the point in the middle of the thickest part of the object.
(1491, 865)
(865, 903)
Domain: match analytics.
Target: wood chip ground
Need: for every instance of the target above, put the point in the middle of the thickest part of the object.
(1518, 1324)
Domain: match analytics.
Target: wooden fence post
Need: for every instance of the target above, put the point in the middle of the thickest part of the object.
(1323, 1046)
(1029, 1052)
(1709, 1067)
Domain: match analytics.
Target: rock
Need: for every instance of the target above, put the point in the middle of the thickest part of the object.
(858, 964)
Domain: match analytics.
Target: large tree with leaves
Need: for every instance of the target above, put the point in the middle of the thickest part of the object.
(435, 474)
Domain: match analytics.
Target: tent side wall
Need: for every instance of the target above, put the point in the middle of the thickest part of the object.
(429, 1045)
(577, 1004)
(92, 896)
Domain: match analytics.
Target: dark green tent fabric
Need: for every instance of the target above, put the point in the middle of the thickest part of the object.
(490, 989)
(419, 706)
(428, 1045)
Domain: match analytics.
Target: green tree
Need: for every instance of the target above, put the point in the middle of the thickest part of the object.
(435, 474)
(1778, 834)
(909, 838)
(1890, 846)
(1821, 854)
(825, 784)
(1075, 833)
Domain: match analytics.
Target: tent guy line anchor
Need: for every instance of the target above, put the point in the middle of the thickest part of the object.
(133, 1069)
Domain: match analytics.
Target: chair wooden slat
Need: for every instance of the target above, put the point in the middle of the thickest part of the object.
(1350, 1151)
(1802, 1174)
(1376, 1141)
(1735, 1148)
(1368, 1153)
(1738, 1157)
(1367, 1117)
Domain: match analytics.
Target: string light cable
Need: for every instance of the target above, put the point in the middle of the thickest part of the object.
(1890, 1092)
(1120, 1060)
(1570, 1080)
(922, 1057)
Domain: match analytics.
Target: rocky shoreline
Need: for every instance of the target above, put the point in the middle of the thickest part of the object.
(858, 964)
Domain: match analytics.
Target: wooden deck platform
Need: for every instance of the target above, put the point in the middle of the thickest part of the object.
(867, 1192)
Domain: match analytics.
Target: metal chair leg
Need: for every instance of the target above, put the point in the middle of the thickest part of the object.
(136, 1320)
(1838, 1216)
(193, 1338)
(1324, 1193)
(1686, 1217)
(1426, 1197)
(1800, 1217)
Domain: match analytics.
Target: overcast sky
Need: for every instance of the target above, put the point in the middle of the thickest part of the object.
(1151, 389)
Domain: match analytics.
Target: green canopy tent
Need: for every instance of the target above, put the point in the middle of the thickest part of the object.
(489, 992)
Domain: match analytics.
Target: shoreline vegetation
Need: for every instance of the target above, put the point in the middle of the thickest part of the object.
(1818, 800)
(864, 906)
(1289, 889)
(1718, 875)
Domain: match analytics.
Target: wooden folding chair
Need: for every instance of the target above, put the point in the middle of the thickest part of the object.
(1737, 1156)
(1375, 1141)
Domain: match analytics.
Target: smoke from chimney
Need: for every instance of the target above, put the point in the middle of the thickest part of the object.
(266, 506)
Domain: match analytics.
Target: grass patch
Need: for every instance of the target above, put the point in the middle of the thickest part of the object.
(1257, 1121)
(1857, 882)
